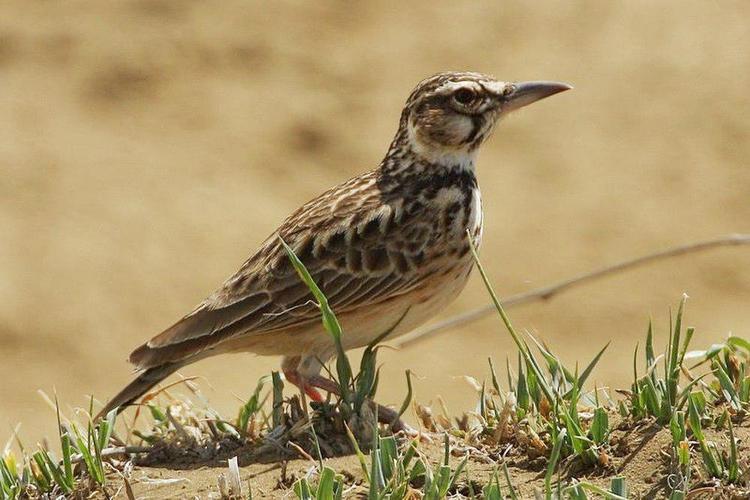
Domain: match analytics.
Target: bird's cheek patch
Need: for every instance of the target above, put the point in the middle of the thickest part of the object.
(439, 127)
(463, 129)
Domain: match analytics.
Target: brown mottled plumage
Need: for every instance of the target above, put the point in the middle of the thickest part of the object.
(388, 248)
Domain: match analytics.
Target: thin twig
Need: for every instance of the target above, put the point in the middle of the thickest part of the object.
(115, 450)
(547, 292)
(177, 426)
(302, 452)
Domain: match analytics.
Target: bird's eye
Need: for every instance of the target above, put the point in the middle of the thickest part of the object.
(464, 96)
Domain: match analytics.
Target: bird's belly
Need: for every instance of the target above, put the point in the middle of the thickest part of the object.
(433, 298)
(400, 314)
(404, 313)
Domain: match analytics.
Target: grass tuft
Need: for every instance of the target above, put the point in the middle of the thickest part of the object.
(546, 417)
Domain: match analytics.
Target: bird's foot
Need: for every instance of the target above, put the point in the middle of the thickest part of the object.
(386, 415)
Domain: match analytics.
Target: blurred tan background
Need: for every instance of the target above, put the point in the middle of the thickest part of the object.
(147, 146)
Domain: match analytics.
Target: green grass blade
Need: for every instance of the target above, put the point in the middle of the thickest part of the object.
(727, 387)
(739, 342)
(408, 398)
(326, 484)
(600, 426)
(358, 452)
(734, 468)
(553, 459)
(57, 473)
(609, 495)
(302, 489)
(459, 468)
(388, 456)
(330, 323)
(650, 355)
(590, 367)
(493, 373)
(694, 417)
(673, 372)
(619, 486)
(41, 476)
(512, 491)
(506, 320)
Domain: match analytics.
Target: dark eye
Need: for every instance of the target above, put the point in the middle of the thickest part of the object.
(464, 96)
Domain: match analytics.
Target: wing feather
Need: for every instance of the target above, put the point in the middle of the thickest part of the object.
(358, 247)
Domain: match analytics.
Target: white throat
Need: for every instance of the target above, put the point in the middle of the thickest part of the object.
(449, 157)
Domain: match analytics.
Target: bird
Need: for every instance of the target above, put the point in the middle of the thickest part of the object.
(389, 248)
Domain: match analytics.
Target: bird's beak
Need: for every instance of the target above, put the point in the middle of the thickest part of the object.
(524, 93)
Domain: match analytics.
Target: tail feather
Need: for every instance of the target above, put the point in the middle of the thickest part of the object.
(138, 387)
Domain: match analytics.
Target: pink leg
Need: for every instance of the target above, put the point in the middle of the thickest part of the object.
(310, 384)
(296, 379)
(289, 366)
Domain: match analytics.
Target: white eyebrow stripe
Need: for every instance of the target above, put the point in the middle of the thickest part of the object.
(494, 86)
(450, 87)
(491, 85)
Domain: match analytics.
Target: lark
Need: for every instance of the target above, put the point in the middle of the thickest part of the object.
(389, 248)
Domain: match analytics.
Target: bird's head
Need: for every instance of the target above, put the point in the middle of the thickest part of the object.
(449, 115)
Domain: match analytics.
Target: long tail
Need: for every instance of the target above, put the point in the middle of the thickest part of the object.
(138, 387)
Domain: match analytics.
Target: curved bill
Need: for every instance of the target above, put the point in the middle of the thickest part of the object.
(525, 93)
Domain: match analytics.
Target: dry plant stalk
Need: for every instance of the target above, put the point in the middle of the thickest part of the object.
(548, 292)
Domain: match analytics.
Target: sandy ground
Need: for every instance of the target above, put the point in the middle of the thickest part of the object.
(640, 457)
(147, 146)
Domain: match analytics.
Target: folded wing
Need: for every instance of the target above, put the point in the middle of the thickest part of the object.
(359, 249)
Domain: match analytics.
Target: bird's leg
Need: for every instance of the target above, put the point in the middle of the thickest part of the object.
(289, 368)
(304, 372)
(386, 415)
